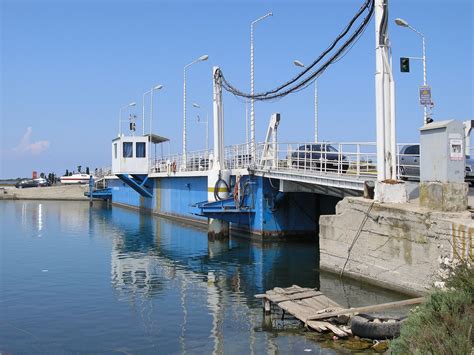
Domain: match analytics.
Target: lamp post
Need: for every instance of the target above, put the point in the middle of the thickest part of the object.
(120, 116)
(200, 59)
(157, 87)
(207, 126)
(252, 101)
(402, 23)
(300, 64)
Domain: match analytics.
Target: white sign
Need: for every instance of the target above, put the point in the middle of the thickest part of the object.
(455, 149)
(425, 96)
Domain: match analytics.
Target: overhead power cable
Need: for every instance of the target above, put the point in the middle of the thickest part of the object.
(302, 80)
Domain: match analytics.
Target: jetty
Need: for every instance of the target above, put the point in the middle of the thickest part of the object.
(319, 312)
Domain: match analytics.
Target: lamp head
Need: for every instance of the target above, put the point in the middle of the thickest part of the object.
(401, 22)
(132, 104)
(203, 57)
(196, 105)
(158, 87)
(298, 63)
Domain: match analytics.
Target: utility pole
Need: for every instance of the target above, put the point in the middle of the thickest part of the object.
(384, 97)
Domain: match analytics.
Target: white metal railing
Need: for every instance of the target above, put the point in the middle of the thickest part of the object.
(348, 159)
(351, 160)
(408, 161)
(102, 172)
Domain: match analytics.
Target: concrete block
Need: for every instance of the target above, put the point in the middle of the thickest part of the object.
(395, 192)
(449, 197)
(397, 246)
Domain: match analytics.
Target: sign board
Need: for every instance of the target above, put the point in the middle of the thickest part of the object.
(425, 95)
(455, 149)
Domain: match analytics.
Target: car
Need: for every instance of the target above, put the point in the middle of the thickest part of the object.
(26, 183)
(319, 156)
(409, 164)
(469, 171)
(42, 182)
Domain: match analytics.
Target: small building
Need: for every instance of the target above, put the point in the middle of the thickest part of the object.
(132, 154)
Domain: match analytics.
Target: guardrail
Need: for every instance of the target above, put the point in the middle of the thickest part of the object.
(408, 161)
(350, 159)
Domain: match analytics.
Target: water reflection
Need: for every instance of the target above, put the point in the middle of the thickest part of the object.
(137, 284)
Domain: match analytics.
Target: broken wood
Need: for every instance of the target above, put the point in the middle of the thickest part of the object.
(378, 307)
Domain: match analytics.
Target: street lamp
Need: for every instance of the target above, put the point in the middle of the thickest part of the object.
(402, 23)
(120, 116)
(200, 59)
(157, 87)
(300, 64)
(252, 101)
(195, 105)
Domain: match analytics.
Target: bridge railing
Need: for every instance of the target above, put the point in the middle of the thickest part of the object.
(350, 160)
(200, 160)
(408, 161)
(353, 159)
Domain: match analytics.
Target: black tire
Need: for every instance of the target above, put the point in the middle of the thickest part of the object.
(402, 173)
(365, 328)
(345, 167)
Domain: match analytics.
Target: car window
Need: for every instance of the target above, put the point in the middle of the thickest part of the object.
(416, 149)
(410, 150)
(330, 148)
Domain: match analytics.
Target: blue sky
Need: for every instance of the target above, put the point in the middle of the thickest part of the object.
(68, 66)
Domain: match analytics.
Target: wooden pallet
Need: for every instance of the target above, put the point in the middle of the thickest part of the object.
(312, 307)
(304, 303)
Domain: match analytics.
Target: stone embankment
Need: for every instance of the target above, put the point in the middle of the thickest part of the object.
(397, 246)
(59, 192)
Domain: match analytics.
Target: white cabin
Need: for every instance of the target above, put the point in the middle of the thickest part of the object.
(132, 154)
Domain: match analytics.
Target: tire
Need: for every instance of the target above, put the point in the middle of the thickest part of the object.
(365, 328)
(345, 167)
(402, 173)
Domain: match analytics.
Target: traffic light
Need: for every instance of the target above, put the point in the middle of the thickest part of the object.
(405, 65)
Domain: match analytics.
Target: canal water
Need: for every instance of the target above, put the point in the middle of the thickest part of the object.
(75, 279)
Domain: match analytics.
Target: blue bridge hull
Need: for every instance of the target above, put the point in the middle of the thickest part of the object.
(269, 214)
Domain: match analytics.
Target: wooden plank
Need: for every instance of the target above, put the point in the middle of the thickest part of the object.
(318, 325)
(327, 326)
(321, 302)
(336, 330)
(378, 307)
(293, 297)
(299, 311)
(290, 290)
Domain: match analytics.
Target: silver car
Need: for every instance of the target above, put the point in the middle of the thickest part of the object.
(409, 164)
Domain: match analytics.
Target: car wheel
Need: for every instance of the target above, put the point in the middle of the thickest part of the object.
(294, 165)
(402, 173)
(345, 167)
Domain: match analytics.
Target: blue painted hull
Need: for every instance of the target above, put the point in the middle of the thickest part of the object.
(275, 214)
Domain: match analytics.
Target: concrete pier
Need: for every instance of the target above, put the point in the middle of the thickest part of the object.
(402, 247)
(59, 192)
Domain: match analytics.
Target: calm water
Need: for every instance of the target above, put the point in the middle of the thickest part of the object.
(109, 280)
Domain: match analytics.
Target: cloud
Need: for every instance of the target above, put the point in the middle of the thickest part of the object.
(34, 148)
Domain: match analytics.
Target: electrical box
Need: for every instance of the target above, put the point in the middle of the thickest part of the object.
(130, 155)
(442, 153)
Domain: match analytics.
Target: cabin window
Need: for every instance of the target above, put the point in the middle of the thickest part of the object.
(127, 149)
(141, 150)
(115, 150)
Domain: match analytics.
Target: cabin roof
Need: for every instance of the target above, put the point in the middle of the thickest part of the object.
(156, 139)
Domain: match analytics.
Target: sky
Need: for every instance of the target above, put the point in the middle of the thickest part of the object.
(68, 66)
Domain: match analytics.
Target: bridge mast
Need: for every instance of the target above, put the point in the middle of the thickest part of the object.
(384, 97)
